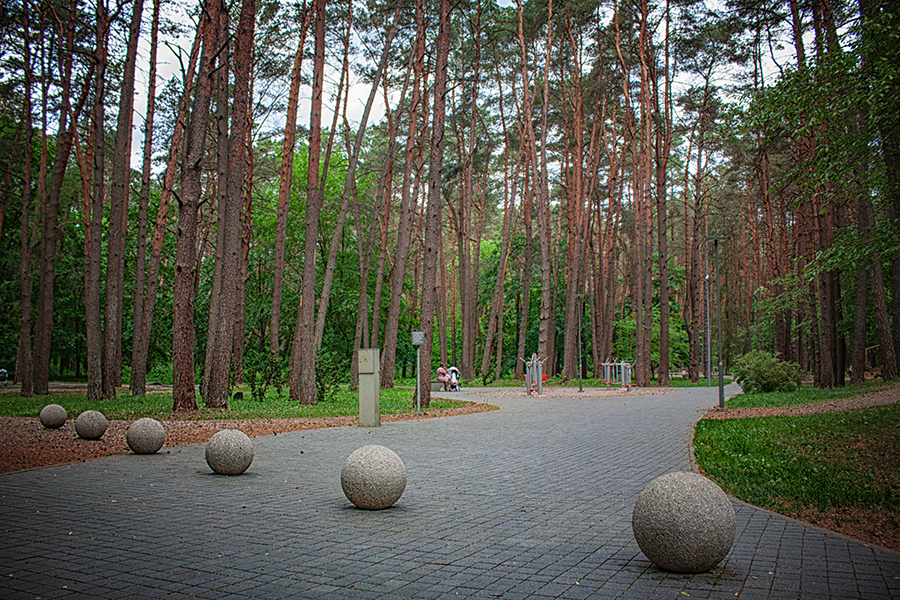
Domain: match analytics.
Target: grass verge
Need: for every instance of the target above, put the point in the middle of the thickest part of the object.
(805, 395)
(159, 405)
(840, 471)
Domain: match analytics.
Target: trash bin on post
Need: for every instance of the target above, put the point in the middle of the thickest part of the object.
(369, 387)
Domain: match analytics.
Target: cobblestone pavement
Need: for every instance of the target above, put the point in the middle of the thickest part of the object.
(531, 501)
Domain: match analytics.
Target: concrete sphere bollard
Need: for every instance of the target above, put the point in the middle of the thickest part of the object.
(53, 416)
(90, 425)
(373, 477)
(145, 436)
(229, 452)
(683, 523)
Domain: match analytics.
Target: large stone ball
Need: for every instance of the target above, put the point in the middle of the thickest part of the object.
(53, 416)
(145, 436)
(683, 522)
(373, 477)
(229, 452)
(90, 425)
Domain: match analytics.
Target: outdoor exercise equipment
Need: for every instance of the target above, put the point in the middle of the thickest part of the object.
(616, 372)
(534, 378)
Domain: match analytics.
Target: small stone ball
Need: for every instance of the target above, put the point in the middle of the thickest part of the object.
(373, 477)
(53, 416)
(683, 523)
(90, 425)
(229, 452)
(145, 436)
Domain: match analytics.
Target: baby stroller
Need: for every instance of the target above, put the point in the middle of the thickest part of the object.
(454, 379)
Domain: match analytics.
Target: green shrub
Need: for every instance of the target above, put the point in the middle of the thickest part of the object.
(262, 371)
(330, 371)
(763, 372)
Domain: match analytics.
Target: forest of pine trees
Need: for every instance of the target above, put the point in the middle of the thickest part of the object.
(295, 181)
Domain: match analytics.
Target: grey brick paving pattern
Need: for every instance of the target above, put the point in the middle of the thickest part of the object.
(531, 501)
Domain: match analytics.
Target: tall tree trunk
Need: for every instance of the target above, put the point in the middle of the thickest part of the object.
(284, 189)
(68, 119)
(865, 216)
(433, 207)
(576, 215)
(303, 352)
(93, 236)
(528, 190)
(643, 367)
(662, 147)
(408, 201)
(120, 192)
(495, 320)
(539, 187)
(466, 236)
(695, 285)
(240, 318)
(23, 357)
(875, 14)
(142, 341)
(350, 182)
(220, 211)
(183, 394)
(221, 333)
(378, 225)
(547, 324)
(138, 379)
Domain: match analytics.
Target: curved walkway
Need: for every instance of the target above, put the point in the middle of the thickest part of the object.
(532, 501)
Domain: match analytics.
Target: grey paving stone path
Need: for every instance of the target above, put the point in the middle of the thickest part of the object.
(531, 501)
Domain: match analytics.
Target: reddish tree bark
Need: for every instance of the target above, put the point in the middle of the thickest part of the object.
(141, 342)
(93, 251)
(433, 208)
(120, 192)
(284, 189)
(408, 200)
(220, 343)
(23, 359)
(68, 119)
(303, 352)
(185, 287)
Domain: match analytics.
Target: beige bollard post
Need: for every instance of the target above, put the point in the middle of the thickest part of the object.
(369, 387)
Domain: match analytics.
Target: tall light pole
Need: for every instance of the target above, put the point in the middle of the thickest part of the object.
(715, 240)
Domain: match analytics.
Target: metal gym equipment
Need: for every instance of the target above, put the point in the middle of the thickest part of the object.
(617, 373)
(534, 378)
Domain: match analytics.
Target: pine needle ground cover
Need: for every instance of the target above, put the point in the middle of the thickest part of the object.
(840, 471)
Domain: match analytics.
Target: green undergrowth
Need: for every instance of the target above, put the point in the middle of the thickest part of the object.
(793, 465)
(159, 405)
(804, 395)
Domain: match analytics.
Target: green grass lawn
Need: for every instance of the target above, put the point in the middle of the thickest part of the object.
(159, 405)
(839, 470)
(804, 395)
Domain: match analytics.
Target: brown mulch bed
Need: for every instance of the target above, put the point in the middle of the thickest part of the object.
(26, 444)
